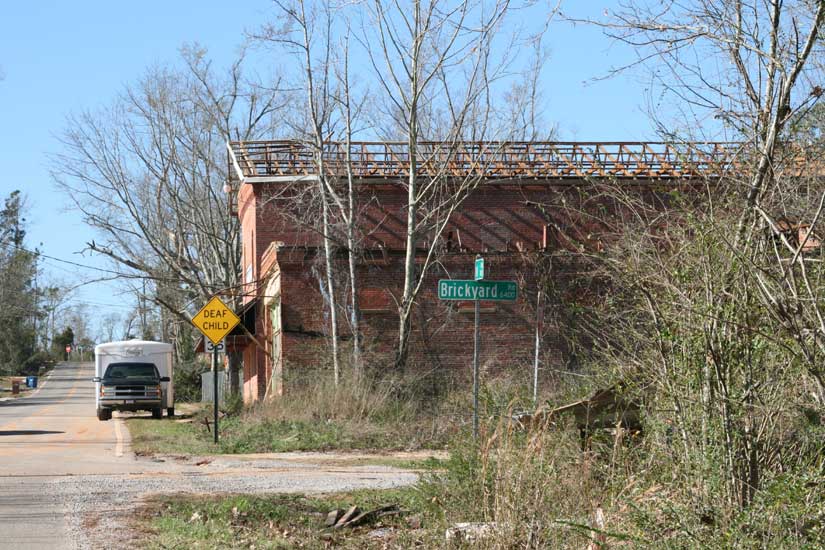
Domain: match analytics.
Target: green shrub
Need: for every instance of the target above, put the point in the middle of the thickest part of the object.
(187, 379)
(33, 363)
(232, 404)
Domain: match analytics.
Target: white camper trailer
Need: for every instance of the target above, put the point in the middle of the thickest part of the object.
(134, 375)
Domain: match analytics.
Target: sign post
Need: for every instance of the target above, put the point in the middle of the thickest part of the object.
(215, 320)
(539, 317)
(476, 291)
(210, 347)
(215, 400)
(479, 275)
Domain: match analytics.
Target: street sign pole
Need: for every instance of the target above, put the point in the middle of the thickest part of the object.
(539, 317)
(477, 290)
(478, 276)
(215, 320)
(215, 388)
(475, 371)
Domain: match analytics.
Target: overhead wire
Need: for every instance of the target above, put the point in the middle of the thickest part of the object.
(61, 260)
(119, 274)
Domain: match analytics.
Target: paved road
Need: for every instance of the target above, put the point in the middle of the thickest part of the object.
(45, 436)
(69, 481)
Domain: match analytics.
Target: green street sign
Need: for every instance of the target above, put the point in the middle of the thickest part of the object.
(477, 291)
(492, 291)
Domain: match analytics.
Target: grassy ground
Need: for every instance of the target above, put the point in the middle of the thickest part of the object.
(254, 434)
(281, 521)
(538, 500)
(539, 487)
(385, 415)
(168, 437)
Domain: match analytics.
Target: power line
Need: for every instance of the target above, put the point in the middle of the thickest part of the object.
(90, 267)
(61, 260)
(103, 304)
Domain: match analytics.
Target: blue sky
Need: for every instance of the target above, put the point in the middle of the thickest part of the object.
(61, 57)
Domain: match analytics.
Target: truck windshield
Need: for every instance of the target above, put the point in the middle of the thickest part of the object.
(132, 370)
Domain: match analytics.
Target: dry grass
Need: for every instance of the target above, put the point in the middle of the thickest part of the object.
(363, 413)
(384, 415)
(355, 399)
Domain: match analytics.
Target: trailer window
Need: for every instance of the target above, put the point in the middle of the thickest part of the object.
(132, 370)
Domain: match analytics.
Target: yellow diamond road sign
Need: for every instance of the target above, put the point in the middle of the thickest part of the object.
(215, 320)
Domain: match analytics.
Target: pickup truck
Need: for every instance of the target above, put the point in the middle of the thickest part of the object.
(130, 386)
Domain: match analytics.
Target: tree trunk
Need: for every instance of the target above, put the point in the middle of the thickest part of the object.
(355, 315)
(330, 280)
(405, 308)
(404, 329)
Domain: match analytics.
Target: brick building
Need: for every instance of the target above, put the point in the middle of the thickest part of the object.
(532, 200)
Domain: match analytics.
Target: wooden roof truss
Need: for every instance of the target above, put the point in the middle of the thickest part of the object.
(261, 161)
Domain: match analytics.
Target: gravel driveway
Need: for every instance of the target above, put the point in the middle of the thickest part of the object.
(97, 505)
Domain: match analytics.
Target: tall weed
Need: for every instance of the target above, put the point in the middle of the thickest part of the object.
(537, 488)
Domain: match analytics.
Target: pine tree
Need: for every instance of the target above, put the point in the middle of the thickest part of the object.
(18, 300)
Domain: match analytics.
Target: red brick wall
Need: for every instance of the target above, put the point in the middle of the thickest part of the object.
(508, 224)
(257, 369)
(496, 218)
(443, 331)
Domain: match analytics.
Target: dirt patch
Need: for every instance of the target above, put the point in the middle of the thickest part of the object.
(118, 496)
(90, 522)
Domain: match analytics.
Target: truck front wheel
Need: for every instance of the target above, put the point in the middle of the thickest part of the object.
(170, 412)
(104, 414)
(157, 413)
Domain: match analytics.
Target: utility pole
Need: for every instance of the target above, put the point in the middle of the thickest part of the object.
(36, 305)
(143, 312)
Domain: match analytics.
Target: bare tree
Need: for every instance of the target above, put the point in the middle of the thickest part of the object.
(439, 66)
(748, 292)
(54, 297)
(110, 323)
(349, 207)
(148, 173)
(324, 77)
(298, 36)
